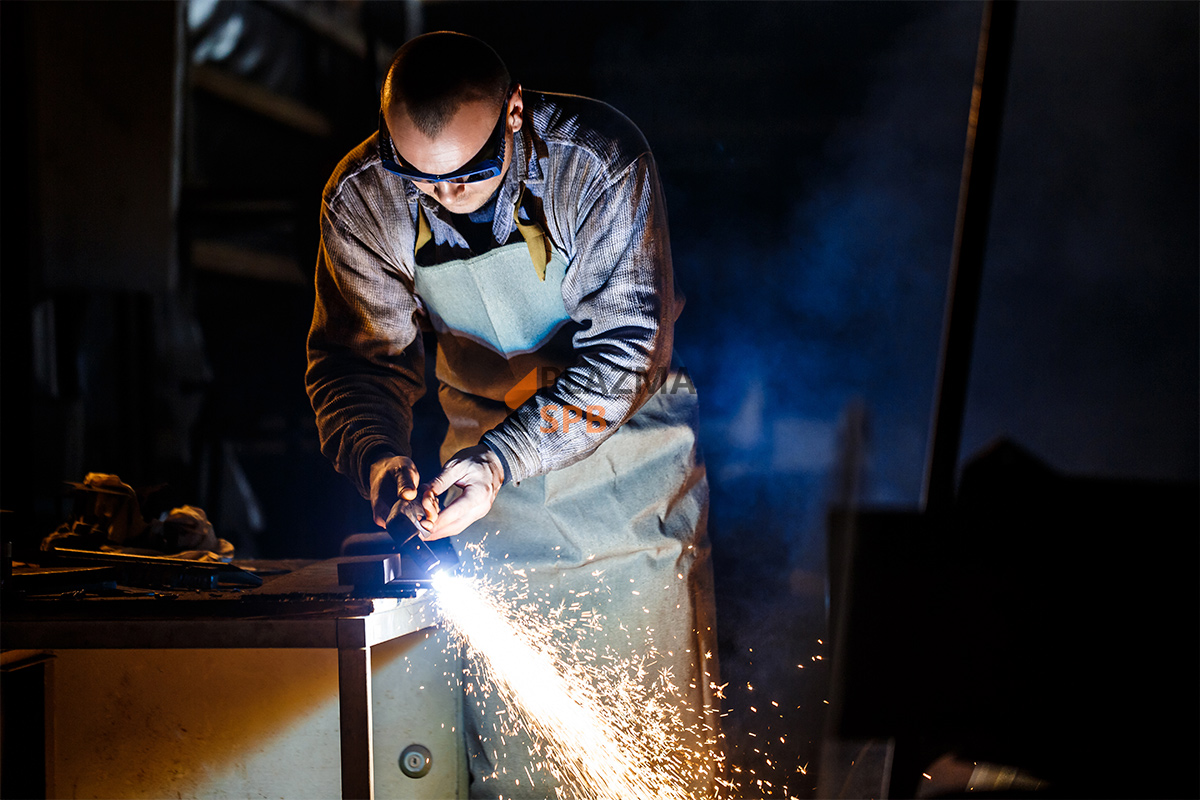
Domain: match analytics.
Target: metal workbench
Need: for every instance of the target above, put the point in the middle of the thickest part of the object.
(304, 609)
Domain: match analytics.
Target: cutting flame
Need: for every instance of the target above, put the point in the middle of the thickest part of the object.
(605, 730)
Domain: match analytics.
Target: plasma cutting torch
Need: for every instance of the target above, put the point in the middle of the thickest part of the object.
(411, 567)
(405, 529)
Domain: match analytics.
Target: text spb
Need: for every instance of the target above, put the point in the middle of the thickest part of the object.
(556, 417)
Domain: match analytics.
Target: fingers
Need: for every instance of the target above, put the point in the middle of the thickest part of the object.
(452, 473)
(473, 504)
(381, 510)
(394, 480)
(431, 507)
(477, 464)
(395, 489)
(476, 471)
(407, 480)
(423, 511)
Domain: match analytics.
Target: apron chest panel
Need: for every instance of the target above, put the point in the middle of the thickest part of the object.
(520, 312)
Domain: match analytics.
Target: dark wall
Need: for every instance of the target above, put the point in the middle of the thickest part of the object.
(811, 155)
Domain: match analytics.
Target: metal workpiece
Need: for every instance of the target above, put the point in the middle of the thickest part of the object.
(368, 571)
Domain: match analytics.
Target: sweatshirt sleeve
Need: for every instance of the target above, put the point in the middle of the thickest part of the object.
(365, 352)
(620, 289)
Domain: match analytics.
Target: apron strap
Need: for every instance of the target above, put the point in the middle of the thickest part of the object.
(535, 238)
(424, 234)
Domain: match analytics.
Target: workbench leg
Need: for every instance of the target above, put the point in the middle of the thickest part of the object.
(354, 699)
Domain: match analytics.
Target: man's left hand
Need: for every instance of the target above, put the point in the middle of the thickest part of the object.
(479, 473)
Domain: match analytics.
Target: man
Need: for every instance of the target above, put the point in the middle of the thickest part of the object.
(528, 230)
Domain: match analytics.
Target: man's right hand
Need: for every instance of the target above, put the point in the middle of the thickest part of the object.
(394, 482)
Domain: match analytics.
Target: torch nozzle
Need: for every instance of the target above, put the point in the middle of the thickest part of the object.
(405, 531)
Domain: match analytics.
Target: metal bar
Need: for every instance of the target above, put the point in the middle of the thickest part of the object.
(145, 634)
(411, 616)
(354, 706)
(159, 568)
(13, 660)
(970, 241)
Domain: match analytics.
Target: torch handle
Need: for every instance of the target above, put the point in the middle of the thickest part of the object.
(405, 530)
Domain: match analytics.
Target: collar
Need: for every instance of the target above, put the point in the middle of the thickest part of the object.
(525, 169)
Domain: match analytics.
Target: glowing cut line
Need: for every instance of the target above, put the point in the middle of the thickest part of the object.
(618, 746)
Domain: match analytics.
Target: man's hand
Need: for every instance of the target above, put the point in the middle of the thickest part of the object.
(393, 484)
(479, 473)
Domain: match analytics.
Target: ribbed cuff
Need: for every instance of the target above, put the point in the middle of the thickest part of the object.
(503, 461)
(513, 470)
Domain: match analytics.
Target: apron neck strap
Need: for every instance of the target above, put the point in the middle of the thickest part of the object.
(533, 234)
(424, 234)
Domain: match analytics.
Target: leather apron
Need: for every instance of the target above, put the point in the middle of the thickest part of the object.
(623, 529)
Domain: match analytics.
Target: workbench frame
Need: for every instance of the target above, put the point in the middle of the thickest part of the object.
(352, 637)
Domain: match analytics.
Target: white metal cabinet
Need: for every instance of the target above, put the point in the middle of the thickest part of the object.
(248, 723)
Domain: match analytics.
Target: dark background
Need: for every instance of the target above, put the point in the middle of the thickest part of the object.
(162, 173)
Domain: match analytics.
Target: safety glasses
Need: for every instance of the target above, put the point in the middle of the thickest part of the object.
(487, 163)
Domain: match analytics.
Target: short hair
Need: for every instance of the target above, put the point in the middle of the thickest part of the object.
(434, 74)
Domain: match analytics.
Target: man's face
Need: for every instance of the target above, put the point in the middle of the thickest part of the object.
(469, 130)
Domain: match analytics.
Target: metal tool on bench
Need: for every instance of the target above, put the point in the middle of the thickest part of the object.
(155, 571)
